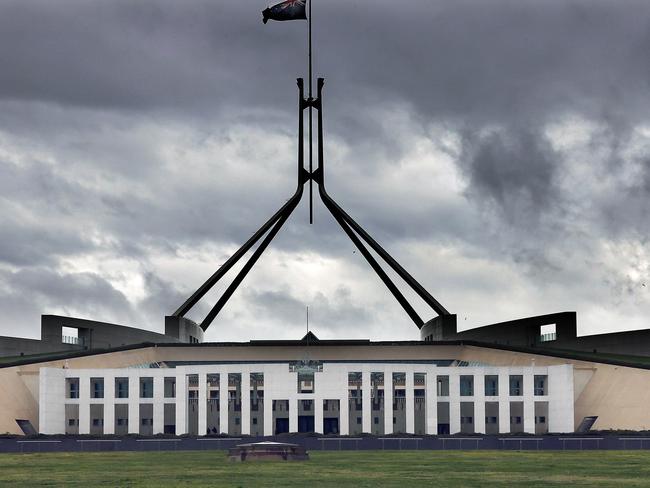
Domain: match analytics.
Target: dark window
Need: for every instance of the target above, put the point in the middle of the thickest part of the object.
(466, 385)
(376, 420)
(72, 387)
(516, 385)
(237, 420)
(96, 387)
(121, 388)
(491, 385)
(443, 385)
(359, 420)
(98, 422)
(72, 422)
(540, 420)
(254, 420)
(146, 388)
(540, 384)
(170, 387)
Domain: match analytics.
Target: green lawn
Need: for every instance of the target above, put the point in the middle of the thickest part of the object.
(338, 469)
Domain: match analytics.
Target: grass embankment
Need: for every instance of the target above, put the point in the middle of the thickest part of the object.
(383, 469)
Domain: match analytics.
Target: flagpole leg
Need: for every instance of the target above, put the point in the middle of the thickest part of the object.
(311, 198)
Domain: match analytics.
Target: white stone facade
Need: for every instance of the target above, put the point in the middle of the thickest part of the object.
(422, 404)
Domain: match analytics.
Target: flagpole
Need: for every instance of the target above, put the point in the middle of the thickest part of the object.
(311, 206)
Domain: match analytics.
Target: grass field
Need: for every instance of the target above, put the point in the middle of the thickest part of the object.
(338, 469)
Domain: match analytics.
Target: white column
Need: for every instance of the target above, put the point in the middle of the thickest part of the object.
(318, 415)
(410, 403)
(454, 401)
(293, 414)
(366, 402)
(134, 403)
(344, 412)
(84, 404)
(51, 401)
(431, 402)
(560, 398)
(245, 403)
(203, 403)
(479, 402)
(268, 411)
(504, 401)
(181, 403)
(529, 401)
(109, 404)
(158, 405)
(223, 402)
(388, 402)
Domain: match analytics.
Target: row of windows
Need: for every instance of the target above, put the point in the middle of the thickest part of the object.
(491, 385)
(306, 385)
(121, 388)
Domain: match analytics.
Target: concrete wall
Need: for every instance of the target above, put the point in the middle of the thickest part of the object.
(617, 395)
(92, 335)
(280, 384)
(525, 332)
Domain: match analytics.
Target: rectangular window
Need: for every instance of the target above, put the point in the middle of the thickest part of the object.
(96, 387)
(516, 385)
(443, 385)
(376, 420)
(254, 420)
(541, 381)
(306, 382)
(490, 420)
(98, 422)
(540, 420)
(466, 385)
(467, 420)
(515, 420)
(170, 387)
(121, 388)
(146, 388)
(72, 387)
(491, 385)
(358, 420)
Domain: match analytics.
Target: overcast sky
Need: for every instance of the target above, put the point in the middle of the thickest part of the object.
(500, 150)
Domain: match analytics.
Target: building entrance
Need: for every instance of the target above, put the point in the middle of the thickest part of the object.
(281, 426)
(305, 423)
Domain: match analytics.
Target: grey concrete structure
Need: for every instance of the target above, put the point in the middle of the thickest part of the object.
(88, 335)
(530, 332)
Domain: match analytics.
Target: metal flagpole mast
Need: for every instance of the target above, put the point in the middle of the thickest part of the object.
(311, 205)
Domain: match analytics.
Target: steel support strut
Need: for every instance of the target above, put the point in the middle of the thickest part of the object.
(349, 225)
(274, 224)
(271, 227)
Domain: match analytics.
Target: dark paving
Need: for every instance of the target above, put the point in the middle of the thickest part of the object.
(316, 443)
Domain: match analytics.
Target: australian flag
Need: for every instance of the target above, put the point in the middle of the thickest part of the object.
(287, 10)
